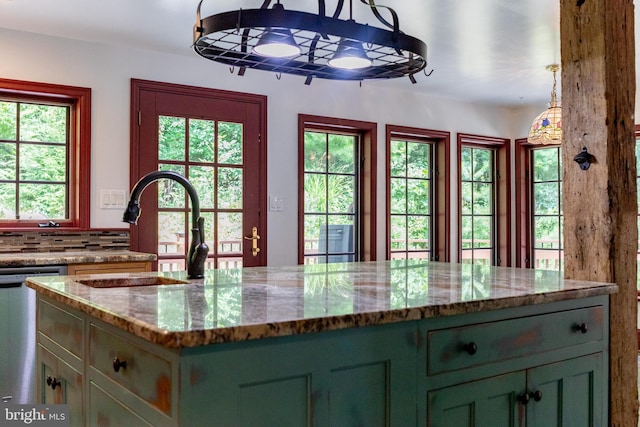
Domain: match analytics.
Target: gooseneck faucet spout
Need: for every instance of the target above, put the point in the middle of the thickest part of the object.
(198, 249)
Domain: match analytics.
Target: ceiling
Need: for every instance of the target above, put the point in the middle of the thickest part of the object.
(484, 51)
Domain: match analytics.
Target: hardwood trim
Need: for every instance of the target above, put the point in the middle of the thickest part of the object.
(79, 145)
(441, 141)
(368, 176)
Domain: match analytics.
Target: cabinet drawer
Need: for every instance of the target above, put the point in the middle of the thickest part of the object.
(478, 344)
(142, 372)
(106, 410)
(62, 327)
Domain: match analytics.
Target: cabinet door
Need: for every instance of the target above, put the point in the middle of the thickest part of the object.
(60, 384)
(492, 402)
(570, 393)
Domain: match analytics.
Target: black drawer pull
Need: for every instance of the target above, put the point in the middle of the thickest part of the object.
(117, 364)
(471, 348)
(53, 382)
(524, 398)
(581, 327)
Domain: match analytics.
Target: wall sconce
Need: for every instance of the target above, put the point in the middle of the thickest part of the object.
(584, 159)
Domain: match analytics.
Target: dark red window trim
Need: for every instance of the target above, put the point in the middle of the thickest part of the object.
(79, 145)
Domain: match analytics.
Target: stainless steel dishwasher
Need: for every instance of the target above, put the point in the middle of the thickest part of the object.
(18, 332)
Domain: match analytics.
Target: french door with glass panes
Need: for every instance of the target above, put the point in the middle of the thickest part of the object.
(213, 138)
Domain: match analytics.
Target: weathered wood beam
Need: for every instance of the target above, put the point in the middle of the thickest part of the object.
(600, 204)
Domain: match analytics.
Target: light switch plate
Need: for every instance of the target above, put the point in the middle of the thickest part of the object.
(113, 199)
(276, 204)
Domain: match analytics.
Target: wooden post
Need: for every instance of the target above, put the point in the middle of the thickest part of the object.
(600, 204)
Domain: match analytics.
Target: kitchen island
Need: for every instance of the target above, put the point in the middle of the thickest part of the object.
(400, 343)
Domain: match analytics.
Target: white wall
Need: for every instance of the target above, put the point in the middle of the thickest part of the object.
(107, 70)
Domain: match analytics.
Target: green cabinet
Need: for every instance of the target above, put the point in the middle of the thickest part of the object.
(518, 368)
(542, 365)
(567, 393)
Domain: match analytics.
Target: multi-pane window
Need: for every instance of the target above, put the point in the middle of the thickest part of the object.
(484, 200)
(411, 191)
(33, 161)
(330, 197)
(209, 154)
(546, 202)
(478, 200)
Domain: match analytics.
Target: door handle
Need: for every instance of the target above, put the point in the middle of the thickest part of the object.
(254, 241)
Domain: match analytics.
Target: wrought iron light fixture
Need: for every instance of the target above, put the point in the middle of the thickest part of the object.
(307, 44)
(547, 127)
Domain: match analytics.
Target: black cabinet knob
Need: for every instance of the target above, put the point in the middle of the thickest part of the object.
(117, 364)
(471, 348)
(53, 382)
(536, 395)
(524, 398)
(581, 327)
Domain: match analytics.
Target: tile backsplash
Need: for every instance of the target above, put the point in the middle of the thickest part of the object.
(63, 241)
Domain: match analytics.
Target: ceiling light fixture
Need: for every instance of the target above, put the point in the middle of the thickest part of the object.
(308, 44)
(547, 127)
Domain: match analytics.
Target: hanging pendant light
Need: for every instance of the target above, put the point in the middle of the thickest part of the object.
(277, 42)
(547, 127)
(350, 55)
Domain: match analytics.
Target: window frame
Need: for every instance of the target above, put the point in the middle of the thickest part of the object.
(79, 146)
(367, 132)
(502, 208)
(440, 212)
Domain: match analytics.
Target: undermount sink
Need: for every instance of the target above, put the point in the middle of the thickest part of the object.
(119, 282)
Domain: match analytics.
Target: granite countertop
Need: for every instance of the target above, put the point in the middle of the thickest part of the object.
(261, 302)
(22, 259)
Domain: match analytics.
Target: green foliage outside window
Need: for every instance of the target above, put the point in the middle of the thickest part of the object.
(33, 161)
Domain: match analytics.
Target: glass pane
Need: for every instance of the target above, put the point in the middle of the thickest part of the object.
(8, 161)
(482, 232)
(315, 196)
(8, 120)
(201, 140)
(398, 195)
(312, 226)
(229, 232)
(398, 232)
(418, 195)
(230, 143)
(398, 157)
(418, 227)
(467, 232)
(43, 162)
(545, 164)
(7, 201)
(465, 164)
(42, 201)
(43, 123)
(341, 154)
(482, 199)
(341, 193)
(482, 170)
(172, 238)
(229, 188)
(171, 194)
(209, 230)
(467, 198)
(418, 160)
(203, 179)
(547, 232)
(171, 138)
(315, 152)
(546, 198)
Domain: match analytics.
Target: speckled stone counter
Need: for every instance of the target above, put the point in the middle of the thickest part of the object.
(254, 303)
(71, 257)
